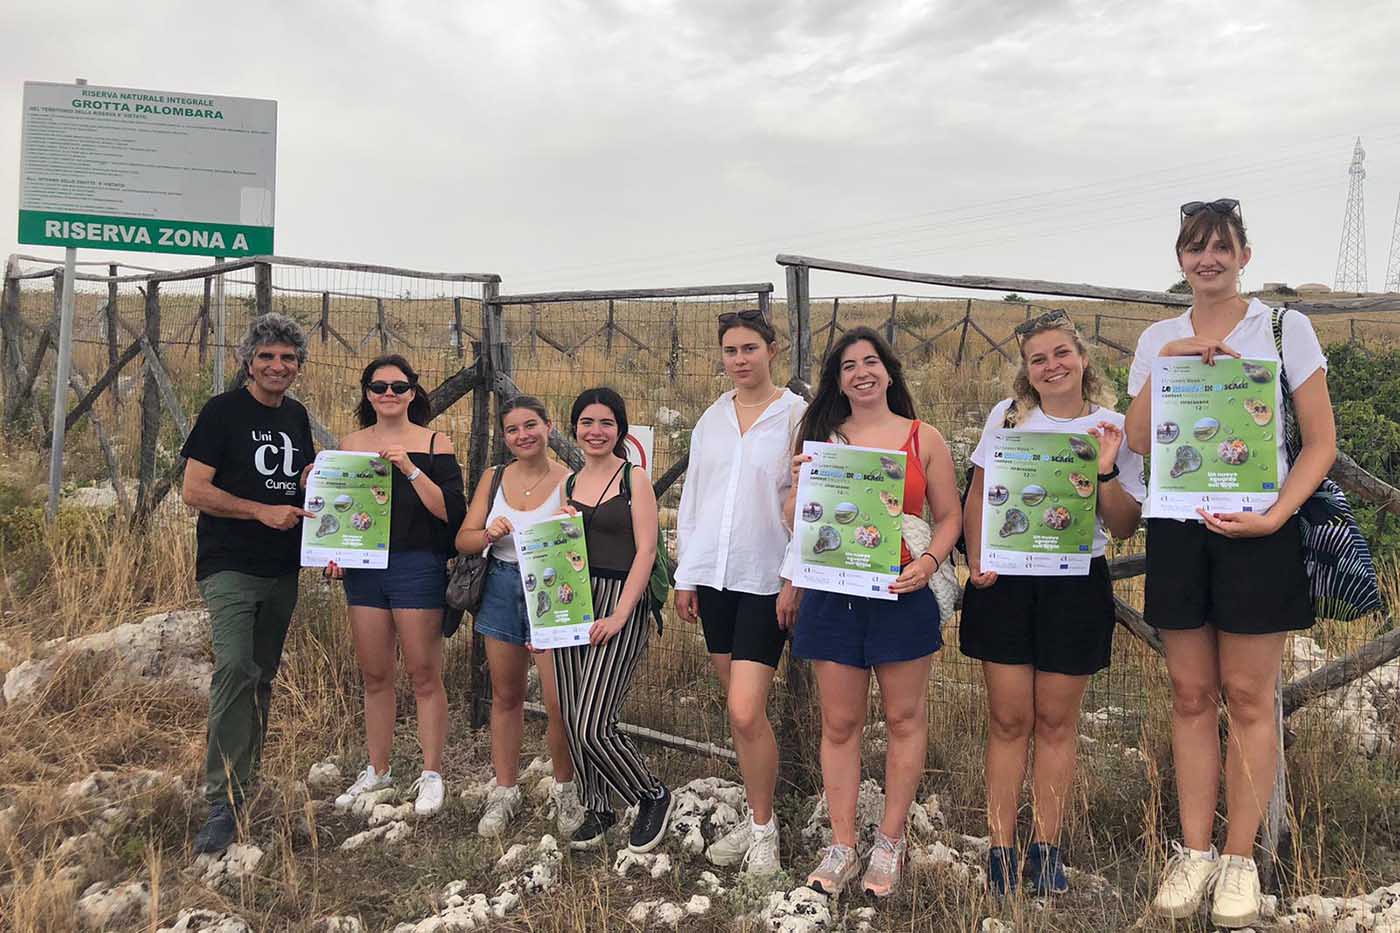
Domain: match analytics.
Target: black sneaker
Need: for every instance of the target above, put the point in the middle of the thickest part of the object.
(594, 829)
(652, 815)
(218, 830)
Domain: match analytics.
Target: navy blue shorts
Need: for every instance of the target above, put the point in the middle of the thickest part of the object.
(503, 615)
(861, 632)
(413, 580)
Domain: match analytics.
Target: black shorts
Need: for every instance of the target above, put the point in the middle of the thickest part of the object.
(1060, 625)
(741, 625)
(1245, 586)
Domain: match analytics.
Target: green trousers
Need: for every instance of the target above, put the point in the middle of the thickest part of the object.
(248, 617)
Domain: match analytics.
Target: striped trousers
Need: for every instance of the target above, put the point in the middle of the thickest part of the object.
(593, 682)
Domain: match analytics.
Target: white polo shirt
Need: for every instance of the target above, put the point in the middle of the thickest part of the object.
(730, 533)
(1252, 338)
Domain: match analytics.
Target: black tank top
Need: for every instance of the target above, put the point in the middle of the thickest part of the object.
(607, 530)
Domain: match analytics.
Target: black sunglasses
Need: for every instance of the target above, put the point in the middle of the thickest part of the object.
(399, 386)
(1222, 206)
(1045, 321)
(748, 314)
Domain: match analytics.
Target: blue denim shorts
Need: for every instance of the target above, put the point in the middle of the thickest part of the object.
(413, 580)
(860, 632)
(503, 615)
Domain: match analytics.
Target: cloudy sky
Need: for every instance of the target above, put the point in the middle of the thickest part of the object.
(623, 143)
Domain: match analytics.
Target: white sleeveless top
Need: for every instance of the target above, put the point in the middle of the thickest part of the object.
(504, 548)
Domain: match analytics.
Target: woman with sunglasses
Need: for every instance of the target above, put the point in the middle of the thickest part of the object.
(401, 607)
(1039, 638)
(862, 399)
(731, 540)
(1225, 590)
(516, 495)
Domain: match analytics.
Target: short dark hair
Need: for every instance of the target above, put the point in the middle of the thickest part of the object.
(420, 407)
(602, 395)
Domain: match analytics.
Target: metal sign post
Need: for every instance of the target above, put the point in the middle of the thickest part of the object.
(61, 375)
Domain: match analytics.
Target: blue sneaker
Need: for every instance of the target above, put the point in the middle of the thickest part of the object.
(1045, 872)
(1002, 876)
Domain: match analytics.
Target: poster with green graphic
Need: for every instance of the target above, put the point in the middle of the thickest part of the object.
(349, 495)
(553, 565)
(1214, 436)
(850, 519)
(1039, 497)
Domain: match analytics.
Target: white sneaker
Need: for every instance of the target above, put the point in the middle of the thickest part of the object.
(1185, 882)
(1236, 902)
(501, 806)
(733, 846)
(763, 859)
(368, 780)
(430, 793)
(568, 809)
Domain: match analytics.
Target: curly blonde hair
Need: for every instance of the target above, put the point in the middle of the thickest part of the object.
(1095, 388)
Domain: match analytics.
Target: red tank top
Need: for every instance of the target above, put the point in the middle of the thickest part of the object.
(915, 484)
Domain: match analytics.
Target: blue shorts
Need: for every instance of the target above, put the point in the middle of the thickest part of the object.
(503, 615)
(861, 632)
(413, 580)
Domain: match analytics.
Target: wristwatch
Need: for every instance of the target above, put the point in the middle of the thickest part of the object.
(417, 472)
(1111, 474)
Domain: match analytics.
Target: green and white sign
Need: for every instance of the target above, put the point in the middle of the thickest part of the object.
(350, 495)
(1215, 442)
(554, 572)
(1039, 496)
(147, 171)
(850, 519)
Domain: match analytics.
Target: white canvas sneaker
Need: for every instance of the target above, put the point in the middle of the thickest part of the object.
(1236, 902)
(430, 793)
(763, 858)
(1185, 882)
(368, 780)
(731, 848)
(501, 806)
(568, 808)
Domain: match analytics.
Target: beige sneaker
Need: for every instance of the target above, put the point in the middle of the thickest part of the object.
(501, 806)
(568, 809)
(731, 848)
(1236, 902)
(763, 860)
(839, 867)
(886, 865)
(1185, 882)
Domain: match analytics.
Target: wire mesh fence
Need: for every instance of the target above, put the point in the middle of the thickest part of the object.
(659, 349)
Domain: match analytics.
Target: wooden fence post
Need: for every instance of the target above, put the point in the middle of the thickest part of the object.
(112, 325)
(325, 317)
(1274, 818)
(457, 327)
(11, 352)
(764, 304)
(890, 324)
(674, 359)
(831, 330)
(204, 321)
(962, 340)
(262, 287)
(479, 683)
(534, 327)
(799, 306)
(608, 330)
(150, 405)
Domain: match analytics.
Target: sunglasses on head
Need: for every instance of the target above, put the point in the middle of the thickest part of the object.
(748, 314)
(1222, 206)
(398, 386)
(1047, 320)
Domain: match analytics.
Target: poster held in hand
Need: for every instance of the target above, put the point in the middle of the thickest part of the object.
(1039, 496)
(350, 496)
(1214, 436)
(849, 519)
(553, 562)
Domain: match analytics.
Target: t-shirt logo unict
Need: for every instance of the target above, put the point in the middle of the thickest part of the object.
(265, 450)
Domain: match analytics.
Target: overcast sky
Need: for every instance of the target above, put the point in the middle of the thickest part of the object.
(573, 144)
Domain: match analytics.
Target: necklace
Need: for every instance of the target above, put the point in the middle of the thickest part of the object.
(738, 404)
(543, 476)
(1084, 412)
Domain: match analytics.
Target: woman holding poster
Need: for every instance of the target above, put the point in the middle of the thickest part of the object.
(620, 531)
(862, 400)
(508, 498)
(1040, 634)
(731, 538)
(401, 607)
(1225, 586)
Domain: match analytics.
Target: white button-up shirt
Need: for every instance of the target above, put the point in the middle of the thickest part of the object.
(730, 532)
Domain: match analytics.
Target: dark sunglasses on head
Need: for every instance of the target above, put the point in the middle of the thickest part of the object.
(1222, 206)
(1047, 320)
(748, 314)
(399, 386)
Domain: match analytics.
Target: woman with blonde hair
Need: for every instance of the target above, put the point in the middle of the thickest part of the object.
(1039, 638)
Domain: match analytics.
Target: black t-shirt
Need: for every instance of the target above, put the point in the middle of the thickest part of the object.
(411, 526)
(258, 454)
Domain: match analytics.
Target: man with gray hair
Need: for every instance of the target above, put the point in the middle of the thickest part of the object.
(247, 458)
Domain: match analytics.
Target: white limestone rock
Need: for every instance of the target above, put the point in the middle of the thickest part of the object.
(800, 910)
(388, 813)
(325, 777)
(192, 920)
(225, 871)
(121, 907)
(388, 833)
(338, 924)
(655, 864)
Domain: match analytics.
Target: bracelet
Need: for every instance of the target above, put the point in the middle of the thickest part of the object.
(936, 561)
(417, 472)
(1110, 475)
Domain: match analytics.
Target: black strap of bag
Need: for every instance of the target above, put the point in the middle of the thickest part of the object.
(466, 573)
